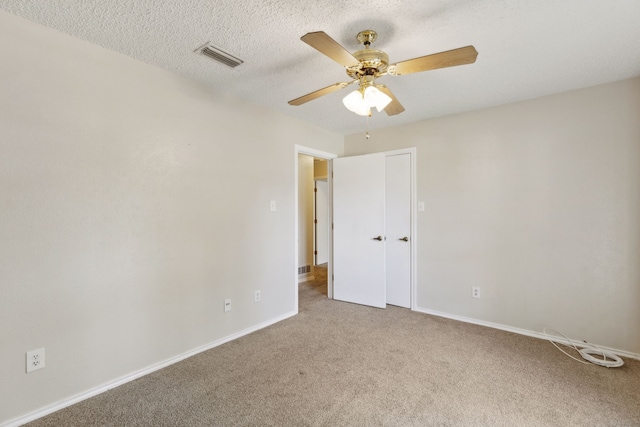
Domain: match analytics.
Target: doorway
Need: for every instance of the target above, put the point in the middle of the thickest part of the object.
(406, 239)
(314, 242)
(313, 218)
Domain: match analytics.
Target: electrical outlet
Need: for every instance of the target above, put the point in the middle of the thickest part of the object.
(256, 296)
(35, 360)
(475, 292)
(227, 305)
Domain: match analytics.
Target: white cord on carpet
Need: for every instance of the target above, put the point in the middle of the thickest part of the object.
(587, 352)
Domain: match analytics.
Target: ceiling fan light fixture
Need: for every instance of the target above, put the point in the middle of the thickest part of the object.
(363, 110)
(376, 98)
(361, 101)
(355, 103)
(366, 65)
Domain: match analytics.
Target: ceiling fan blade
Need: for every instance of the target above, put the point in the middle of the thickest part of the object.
(449, 58)
(394, 107)
(320, 41)
(318, 93)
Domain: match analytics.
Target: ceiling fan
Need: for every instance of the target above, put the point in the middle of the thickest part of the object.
(366, 65)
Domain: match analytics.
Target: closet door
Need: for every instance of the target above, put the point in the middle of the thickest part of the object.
(398, 228)
(359, 229)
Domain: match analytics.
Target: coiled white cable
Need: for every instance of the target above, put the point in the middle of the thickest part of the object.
(609, 359)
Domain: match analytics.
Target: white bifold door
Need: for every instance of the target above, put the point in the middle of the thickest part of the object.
(398, 229)
(358, 230)
(372, 229)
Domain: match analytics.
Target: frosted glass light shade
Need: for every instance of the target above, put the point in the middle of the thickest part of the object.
(363, 110)
(361, 103)
(355, 102)
(374, 97)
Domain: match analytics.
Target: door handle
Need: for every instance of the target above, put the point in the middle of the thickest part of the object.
(379, 238)
(404, 239)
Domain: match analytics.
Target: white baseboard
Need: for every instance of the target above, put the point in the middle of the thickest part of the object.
(526, 332)
(305, 277)
(135, 375)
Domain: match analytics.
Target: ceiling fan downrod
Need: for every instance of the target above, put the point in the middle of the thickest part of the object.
(367, 37)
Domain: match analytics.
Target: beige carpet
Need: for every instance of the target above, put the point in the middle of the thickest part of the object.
(339, 364)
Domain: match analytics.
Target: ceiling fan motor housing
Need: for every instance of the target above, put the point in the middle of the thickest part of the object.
(371, 62)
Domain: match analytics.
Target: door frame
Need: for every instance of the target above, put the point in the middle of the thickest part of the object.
(300, 149)
(325, 184)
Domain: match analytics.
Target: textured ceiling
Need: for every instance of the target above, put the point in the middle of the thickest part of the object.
(526, 48)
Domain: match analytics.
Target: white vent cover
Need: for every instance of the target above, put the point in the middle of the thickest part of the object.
(304, 269)
(214, 52)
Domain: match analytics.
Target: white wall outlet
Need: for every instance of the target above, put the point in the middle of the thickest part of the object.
(35, 360)
(256, 296)
(272, 205)
(475, 292)
(227, 305)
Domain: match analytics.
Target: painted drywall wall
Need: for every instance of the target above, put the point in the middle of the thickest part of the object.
(538, 204)
(132, 203)
(305, 211)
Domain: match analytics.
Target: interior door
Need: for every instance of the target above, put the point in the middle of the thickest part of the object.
(398, 228)
(359, 229)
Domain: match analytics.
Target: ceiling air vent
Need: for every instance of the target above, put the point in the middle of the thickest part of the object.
(214, 52)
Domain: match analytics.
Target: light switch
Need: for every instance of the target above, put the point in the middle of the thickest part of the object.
(273, 206)
(420, 206)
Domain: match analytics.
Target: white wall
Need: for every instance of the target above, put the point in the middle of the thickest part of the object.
(132, 202)
(538, 203)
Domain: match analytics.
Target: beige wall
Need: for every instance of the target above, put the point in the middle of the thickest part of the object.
(305, 210)
(132, 203)
(320, 169)
(538, 203)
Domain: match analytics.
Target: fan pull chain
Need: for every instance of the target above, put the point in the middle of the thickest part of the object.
(366, 134)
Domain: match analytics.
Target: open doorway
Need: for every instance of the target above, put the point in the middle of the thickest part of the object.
(313, 222)
(313, 226)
